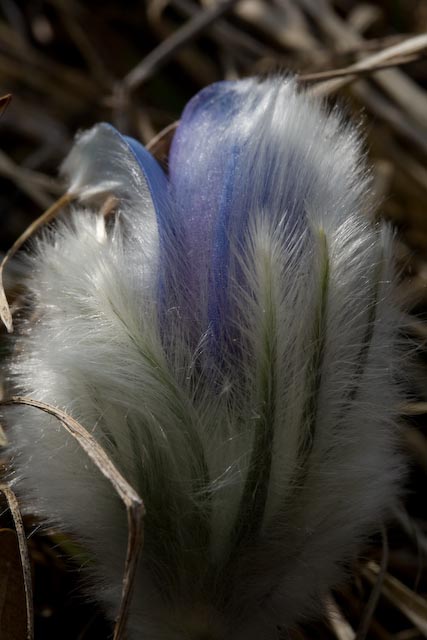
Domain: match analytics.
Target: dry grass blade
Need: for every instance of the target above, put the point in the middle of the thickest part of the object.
(341, 628)
(350, 71)
(408, 602)
(4, 102)
(223, 32)
(133, 503)
(24, 555)
(49, 214)
(407, 47)
(391, 114)
(415, 444)
(34, 184)
(412, 529)
(401, 53)
(413, 409)
(109, 207)
(160, 144)
(402, 90)
(368, 613)
(3, 439)
(83, 42)
(166, 49)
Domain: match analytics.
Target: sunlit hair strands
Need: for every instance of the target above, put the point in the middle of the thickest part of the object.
(230, 338)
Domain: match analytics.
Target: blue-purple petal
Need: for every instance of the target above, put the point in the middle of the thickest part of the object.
(218, 179)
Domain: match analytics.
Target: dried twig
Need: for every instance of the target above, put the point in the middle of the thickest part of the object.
(4, 102)
(83, 41)
(351, 73)
(240, 42)
(35, 185)
(160, 144)
(412, 529)
(5, 314)
(413, 606)
(407, 51)
(109, 207)
(392, 115)
(400, 88)
(413, 409)
(368, 613)
(133, 503)
(166, 49)
(284, 23)
(339, 624)
(24, 555)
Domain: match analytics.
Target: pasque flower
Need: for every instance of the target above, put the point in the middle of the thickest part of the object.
(229, 337)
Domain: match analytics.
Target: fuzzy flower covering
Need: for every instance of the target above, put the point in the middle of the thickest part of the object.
(229, 337)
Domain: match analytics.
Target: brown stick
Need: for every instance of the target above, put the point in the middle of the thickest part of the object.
(49, 214)
(24, 555)
(352, 73)
(166, 49)
(159, 145)
(133, 503)
(371, 605)
(4, 102)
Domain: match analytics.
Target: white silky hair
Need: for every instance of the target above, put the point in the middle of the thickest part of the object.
(262, 480)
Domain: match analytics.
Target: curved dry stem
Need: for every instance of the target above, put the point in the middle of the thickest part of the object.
(13, 504)
(4, 102)
(109, 207)
(368, 613)
(164, 51)
(159, 145)
(351, 73)
(49, 214)
(339, 624)
(406, 51)
(133, 503)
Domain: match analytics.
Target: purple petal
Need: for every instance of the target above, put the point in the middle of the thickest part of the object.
(225, 164)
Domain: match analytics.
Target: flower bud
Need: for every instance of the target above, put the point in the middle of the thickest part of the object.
(230, 339)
